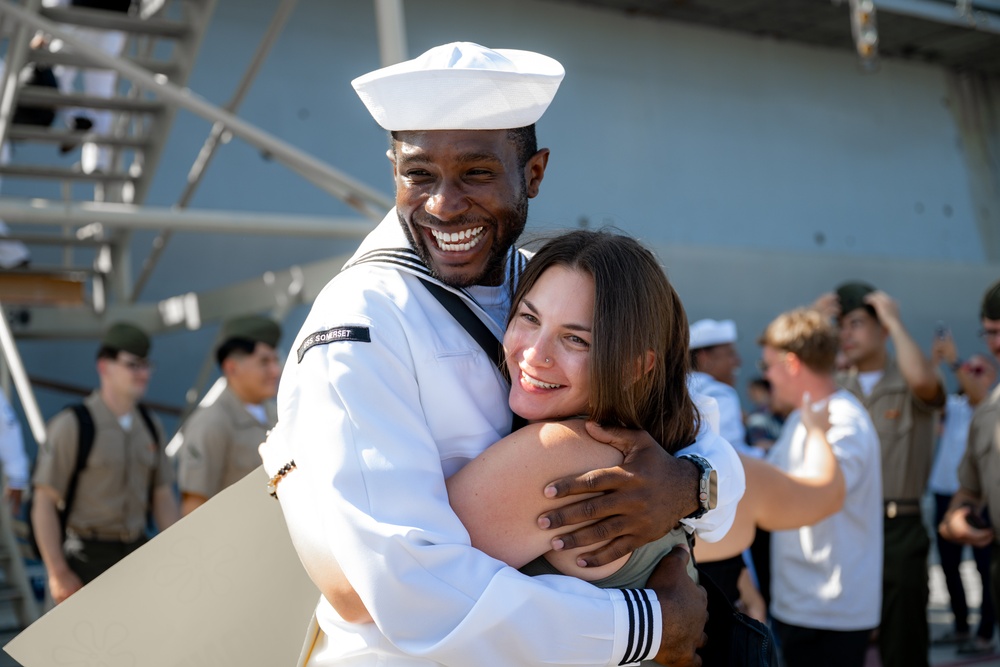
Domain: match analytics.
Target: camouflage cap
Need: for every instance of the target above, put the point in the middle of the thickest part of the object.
(852, 296)
(126, 337)
(256, 328)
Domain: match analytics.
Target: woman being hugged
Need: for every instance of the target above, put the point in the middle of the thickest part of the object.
(595, 332)
(596, 339)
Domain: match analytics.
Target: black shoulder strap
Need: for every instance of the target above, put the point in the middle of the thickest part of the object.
(472, 324)
(85, 442)
(147, 418)
(469, 321)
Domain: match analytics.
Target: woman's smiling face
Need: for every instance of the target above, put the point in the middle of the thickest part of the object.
(547, 346)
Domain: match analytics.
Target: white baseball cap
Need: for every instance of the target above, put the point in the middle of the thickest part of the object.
(461, 86)
(705, 333)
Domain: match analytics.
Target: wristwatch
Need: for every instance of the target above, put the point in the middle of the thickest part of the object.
(708, 486)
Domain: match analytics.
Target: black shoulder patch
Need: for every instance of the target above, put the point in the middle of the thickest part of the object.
(335, 335)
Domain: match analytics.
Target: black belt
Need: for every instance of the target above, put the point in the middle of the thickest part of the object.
(107, 536)
(895, 508)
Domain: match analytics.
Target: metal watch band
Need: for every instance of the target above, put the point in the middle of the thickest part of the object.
(707, 486)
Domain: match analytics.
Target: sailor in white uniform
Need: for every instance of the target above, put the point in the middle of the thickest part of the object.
(714, 363)
(385, 394)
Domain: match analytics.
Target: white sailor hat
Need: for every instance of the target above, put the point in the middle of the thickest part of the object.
(461, 86)
(705, 333)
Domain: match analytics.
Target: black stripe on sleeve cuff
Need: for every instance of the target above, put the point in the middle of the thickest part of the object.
(640, 620)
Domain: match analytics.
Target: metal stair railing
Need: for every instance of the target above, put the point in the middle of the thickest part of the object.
(216, 136)
(169, 96)
(185, 36)
(112, 260)
(371, 203)
(104, 20)
(45, 57)
(21, 593)
(141, 124)
(157, 92)
(16, 58)
(195, 15)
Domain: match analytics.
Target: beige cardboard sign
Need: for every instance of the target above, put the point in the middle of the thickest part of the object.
(221, 587)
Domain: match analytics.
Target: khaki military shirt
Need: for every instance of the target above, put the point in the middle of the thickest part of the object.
(979, 471)
(906, 429)
(113, 490)
(220, 445)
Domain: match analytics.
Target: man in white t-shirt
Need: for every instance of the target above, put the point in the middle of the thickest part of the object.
(825, 578)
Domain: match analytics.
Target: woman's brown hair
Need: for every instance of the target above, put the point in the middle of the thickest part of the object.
(635, 310)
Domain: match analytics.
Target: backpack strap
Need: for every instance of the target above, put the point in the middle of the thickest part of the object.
(85, 442)
(147, 418)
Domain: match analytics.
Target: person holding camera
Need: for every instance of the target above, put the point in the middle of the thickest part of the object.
(979, 471)
(975, 377)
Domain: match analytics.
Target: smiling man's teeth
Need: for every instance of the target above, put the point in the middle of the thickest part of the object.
(458, 241)
(538, 383)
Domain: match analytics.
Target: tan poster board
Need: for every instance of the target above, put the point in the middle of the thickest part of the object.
(221, 587)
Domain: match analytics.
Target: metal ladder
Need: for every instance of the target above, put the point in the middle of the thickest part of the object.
(94, 214)
(163, 39)
(140, 128)
(15, 587)
(145, 113)
(141, 122)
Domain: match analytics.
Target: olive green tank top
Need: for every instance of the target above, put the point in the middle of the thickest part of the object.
(635, 571)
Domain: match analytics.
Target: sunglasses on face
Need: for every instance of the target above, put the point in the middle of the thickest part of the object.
(136, 365)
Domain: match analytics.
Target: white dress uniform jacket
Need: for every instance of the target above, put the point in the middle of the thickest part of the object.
(383, 397)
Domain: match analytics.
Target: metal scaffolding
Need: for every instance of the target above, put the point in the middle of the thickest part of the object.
(105, 225)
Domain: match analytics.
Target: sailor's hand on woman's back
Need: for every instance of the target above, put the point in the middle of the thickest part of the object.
(641, 500)
(501, 518)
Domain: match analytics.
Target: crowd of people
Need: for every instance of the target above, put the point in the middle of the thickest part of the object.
(921, 433)
(476, 469)
(102, 481)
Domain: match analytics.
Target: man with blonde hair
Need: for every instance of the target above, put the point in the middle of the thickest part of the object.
(825, 578)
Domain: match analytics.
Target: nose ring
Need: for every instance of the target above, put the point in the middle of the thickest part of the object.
(547, 360)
